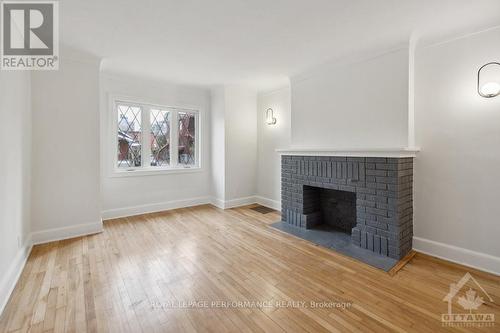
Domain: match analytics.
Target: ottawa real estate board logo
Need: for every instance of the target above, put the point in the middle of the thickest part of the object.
(465, 300)
(29, 35)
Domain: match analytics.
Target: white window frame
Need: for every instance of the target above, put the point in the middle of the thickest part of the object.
(146, 169)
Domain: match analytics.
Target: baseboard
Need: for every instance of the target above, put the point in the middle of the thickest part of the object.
(9, 280)
(219, 203)
(481, 261)
(239, 202)
(52, 235)
(274, 204)
(233, 203)
(153, 208)
(163, 206)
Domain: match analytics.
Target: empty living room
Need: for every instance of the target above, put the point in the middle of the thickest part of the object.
(249, 166)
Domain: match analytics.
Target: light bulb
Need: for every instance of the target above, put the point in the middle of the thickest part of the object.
(269, 118)
(490, 89)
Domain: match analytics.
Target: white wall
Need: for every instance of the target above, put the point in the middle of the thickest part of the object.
(241, 142)
(270, 138)
(15, 112)
(234, 145)
(457, 186)
(356, 105)
(217, 145)
(65, 159)
(122, 196)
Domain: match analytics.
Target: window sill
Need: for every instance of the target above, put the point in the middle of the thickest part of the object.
(152, 172)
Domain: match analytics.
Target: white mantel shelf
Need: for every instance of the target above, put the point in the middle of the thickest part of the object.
(383, 152)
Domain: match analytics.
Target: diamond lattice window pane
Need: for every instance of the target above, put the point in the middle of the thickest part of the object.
(129, 136)
(187, 137)
(160, 138)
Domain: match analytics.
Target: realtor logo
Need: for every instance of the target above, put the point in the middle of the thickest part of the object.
(469, 300)
(29, 35)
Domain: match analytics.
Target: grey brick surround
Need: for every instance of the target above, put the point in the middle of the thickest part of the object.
(384, 199)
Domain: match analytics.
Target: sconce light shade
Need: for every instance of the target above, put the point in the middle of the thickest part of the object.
(488, 80)
(270, 120)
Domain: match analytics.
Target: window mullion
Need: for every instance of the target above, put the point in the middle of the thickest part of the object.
(115, 148)
(146, 137)
(197, 141)
(174, 139)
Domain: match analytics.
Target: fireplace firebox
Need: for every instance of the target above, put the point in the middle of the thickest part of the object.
(330, 208)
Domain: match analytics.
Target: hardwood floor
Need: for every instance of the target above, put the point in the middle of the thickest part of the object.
(141, 274)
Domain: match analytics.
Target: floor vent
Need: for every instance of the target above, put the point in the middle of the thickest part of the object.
(262, 209)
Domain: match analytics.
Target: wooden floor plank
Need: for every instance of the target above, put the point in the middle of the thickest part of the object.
(171, 271)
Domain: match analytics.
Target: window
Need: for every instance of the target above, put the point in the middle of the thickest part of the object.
(155, 138)
(160, 137)
(187, 135)
(129, 136)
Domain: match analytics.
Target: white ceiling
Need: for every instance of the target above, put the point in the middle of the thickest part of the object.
(254, 42)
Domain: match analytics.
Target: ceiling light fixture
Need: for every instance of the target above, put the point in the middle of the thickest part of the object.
(488, 80)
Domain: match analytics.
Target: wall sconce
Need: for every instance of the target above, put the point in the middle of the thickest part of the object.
(488, 80)
(270, 120)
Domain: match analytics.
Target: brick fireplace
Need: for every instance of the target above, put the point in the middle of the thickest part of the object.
(368, 197)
